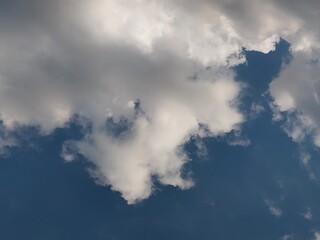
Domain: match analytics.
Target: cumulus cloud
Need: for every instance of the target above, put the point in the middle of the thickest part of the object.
(73, 62)
(98, 59)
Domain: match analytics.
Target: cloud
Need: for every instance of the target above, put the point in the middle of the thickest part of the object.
(307, 214)
(287, 237)
(274, 210)
(70, 63)
(97, 59)
(296, 92)
(296, 89)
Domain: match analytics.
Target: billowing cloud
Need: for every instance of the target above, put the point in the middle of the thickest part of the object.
(71, 63)
(6, 140)
(161, 67)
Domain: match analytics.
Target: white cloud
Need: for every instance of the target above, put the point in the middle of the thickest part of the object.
(274, 210)
(305, 158)
(296, 91)
(287, 237)
(307, 214)
(95, 58)
(63, 68)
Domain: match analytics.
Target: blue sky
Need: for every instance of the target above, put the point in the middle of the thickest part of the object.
(140, 130)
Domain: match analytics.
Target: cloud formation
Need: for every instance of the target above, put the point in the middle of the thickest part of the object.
(296, 92)
(163, 67)
(273, 209)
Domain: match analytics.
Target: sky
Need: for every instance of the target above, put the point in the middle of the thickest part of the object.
(159, 120)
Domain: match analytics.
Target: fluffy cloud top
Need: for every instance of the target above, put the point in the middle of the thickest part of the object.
(95, 59)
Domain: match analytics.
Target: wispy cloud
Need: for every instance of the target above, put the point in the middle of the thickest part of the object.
(307, 214)
(274, 210)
